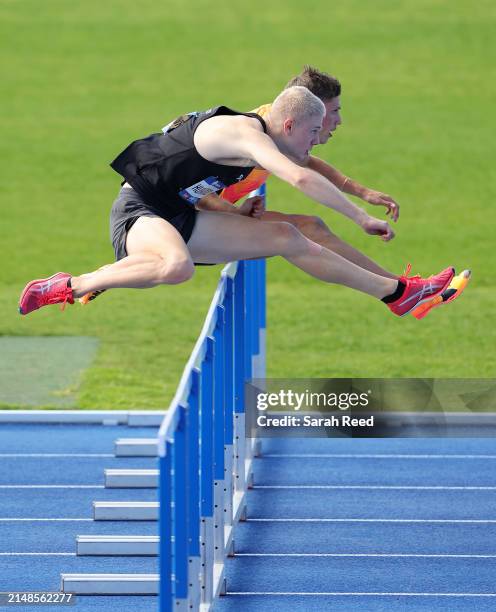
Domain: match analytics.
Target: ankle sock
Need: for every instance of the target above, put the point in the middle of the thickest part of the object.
(400, 289)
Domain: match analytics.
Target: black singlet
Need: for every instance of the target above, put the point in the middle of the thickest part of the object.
(167, 170)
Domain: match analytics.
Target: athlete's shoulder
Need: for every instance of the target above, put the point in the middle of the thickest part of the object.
(262, 110)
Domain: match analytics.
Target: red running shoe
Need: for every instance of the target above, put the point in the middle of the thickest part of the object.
(454, 290)
(419, 290)
(45, 291)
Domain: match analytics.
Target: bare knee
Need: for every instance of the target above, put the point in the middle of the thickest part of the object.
(311, 226)
(289, 239)
(174, 271)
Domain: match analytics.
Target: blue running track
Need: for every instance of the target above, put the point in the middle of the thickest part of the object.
(61, 482)
(333, 524)
(368, 524)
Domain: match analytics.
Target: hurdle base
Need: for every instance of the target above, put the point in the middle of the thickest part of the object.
(110, 584)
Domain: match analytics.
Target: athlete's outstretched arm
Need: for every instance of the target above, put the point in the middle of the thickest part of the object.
(348, 185)
(260, 147)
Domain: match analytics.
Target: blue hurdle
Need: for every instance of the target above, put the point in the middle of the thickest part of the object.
(205, 458)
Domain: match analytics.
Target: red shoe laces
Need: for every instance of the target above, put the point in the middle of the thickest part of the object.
(49, 298)
(407, 272)
(63, 305)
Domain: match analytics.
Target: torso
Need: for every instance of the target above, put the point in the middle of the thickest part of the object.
(168, 171)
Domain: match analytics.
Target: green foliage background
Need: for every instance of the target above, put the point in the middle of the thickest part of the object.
(81, 80)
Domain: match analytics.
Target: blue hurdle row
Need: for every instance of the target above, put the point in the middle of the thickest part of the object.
(205, 458)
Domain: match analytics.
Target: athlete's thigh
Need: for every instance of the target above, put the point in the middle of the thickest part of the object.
(275, 215)
(221, 237)
(155, 235)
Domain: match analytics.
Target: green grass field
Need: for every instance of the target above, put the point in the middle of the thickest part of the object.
(80, 81)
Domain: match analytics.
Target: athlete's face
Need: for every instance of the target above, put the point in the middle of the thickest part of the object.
(331, 120)
(303, 135)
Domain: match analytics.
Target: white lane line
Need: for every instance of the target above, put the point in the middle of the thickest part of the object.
(52, 455)
(364, 520)
(359, 594)
(12, 520)
(379, 487)
(37, 554)
(52, 487)
(406, 555)
(372, 456)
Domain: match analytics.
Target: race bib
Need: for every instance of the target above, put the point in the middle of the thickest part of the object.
(196, 192)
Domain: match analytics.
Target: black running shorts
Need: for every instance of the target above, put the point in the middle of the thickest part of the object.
(129, 206)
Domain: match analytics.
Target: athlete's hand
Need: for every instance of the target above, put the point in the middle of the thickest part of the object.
(376, 227)
(253, 207)
(383, 199)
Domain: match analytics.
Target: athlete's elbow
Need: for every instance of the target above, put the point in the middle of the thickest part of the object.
(301, 179)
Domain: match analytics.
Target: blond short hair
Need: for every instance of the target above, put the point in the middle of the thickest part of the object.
(296, 103)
